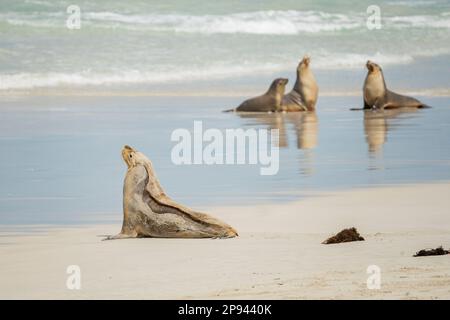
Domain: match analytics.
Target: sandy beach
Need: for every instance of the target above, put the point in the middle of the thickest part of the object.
(278, 254)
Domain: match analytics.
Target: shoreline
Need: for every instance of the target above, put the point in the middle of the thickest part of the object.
(278, 254)
(95, 93)
(291, 198)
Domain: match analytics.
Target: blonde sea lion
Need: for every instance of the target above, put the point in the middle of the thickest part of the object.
(268, 102)
(303, 96)
(377, 95)
(149, 212)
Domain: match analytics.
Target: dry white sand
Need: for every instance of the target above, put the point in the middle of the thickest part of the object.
(278, 254)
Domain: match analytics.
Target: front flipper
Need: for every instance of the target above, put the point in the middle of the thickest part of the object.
(120, 236)
(392, 105)
(366, 107)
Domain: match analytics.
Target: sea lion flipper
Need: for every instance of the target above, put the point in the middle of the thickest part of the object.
(120, 236)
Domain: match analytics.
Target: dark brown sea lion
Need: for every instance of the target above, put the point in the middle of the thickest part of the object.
(303, 96)
(377, 95)
(268, 102)
(149, 212)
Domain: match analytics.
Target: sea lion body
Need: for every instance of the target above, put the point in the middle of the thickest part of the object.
(376, 94)
(304, 94)
(268, 102)
(149, 212)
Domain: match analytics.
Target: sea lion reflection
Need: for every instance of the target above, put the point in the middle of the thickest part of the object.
(304, 124)
(378, 123)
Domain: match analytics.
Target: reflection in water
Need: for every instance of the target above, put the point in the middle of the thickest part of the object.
(304, 125)
(377, 124)
(375, 129)
(272, 121)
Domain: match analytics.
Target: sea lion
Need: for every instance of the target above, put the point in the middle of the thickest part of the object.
(268, 102)
(303, 96)
(149, 212)
(377, 95)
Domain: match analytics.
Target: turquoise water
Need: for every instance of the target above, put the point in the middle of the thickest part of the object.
(61, 162)
(230, 45)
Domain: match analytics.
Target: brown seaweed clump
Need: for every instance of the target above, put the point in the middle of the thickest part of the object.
(346, 235)
(432, 252)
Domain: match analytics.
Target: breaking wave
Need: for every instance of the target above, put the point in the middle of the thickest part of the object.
(271, 22)
(26, 80)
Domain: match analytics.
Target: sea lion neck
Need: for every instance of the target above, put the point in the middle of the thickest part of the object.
(303, 76)
(377, 78)
(297, 86)
(273, 88)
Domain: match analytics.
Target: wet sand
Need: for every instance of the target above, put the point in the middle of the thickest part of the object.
(278, 254)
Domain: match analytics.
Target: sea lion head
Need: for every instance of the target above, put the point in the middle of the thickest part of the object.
(304, 63)
(133, 157)
(373, 67)
(281, 82)
(278, 85)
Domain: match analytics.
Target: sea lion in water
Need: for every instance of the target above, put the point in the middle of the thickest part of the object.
(268, 102)
(377, 95)
(303, 96)
(149, 212)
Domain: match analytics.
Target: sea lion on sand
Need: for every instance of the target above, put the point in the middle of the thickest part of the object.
(149, 212)
(303, 96)
(268, 102)
(377, 95)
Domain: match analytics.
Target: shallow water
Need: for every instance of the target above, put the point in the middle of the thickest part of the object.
(61, 163)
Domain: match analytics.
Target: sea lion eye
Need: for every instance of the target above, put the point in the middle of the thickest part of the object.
(131, 156)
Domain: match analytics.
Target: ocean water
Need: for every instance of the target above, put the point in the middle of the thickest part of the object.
(224, 46)
(61, 158)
